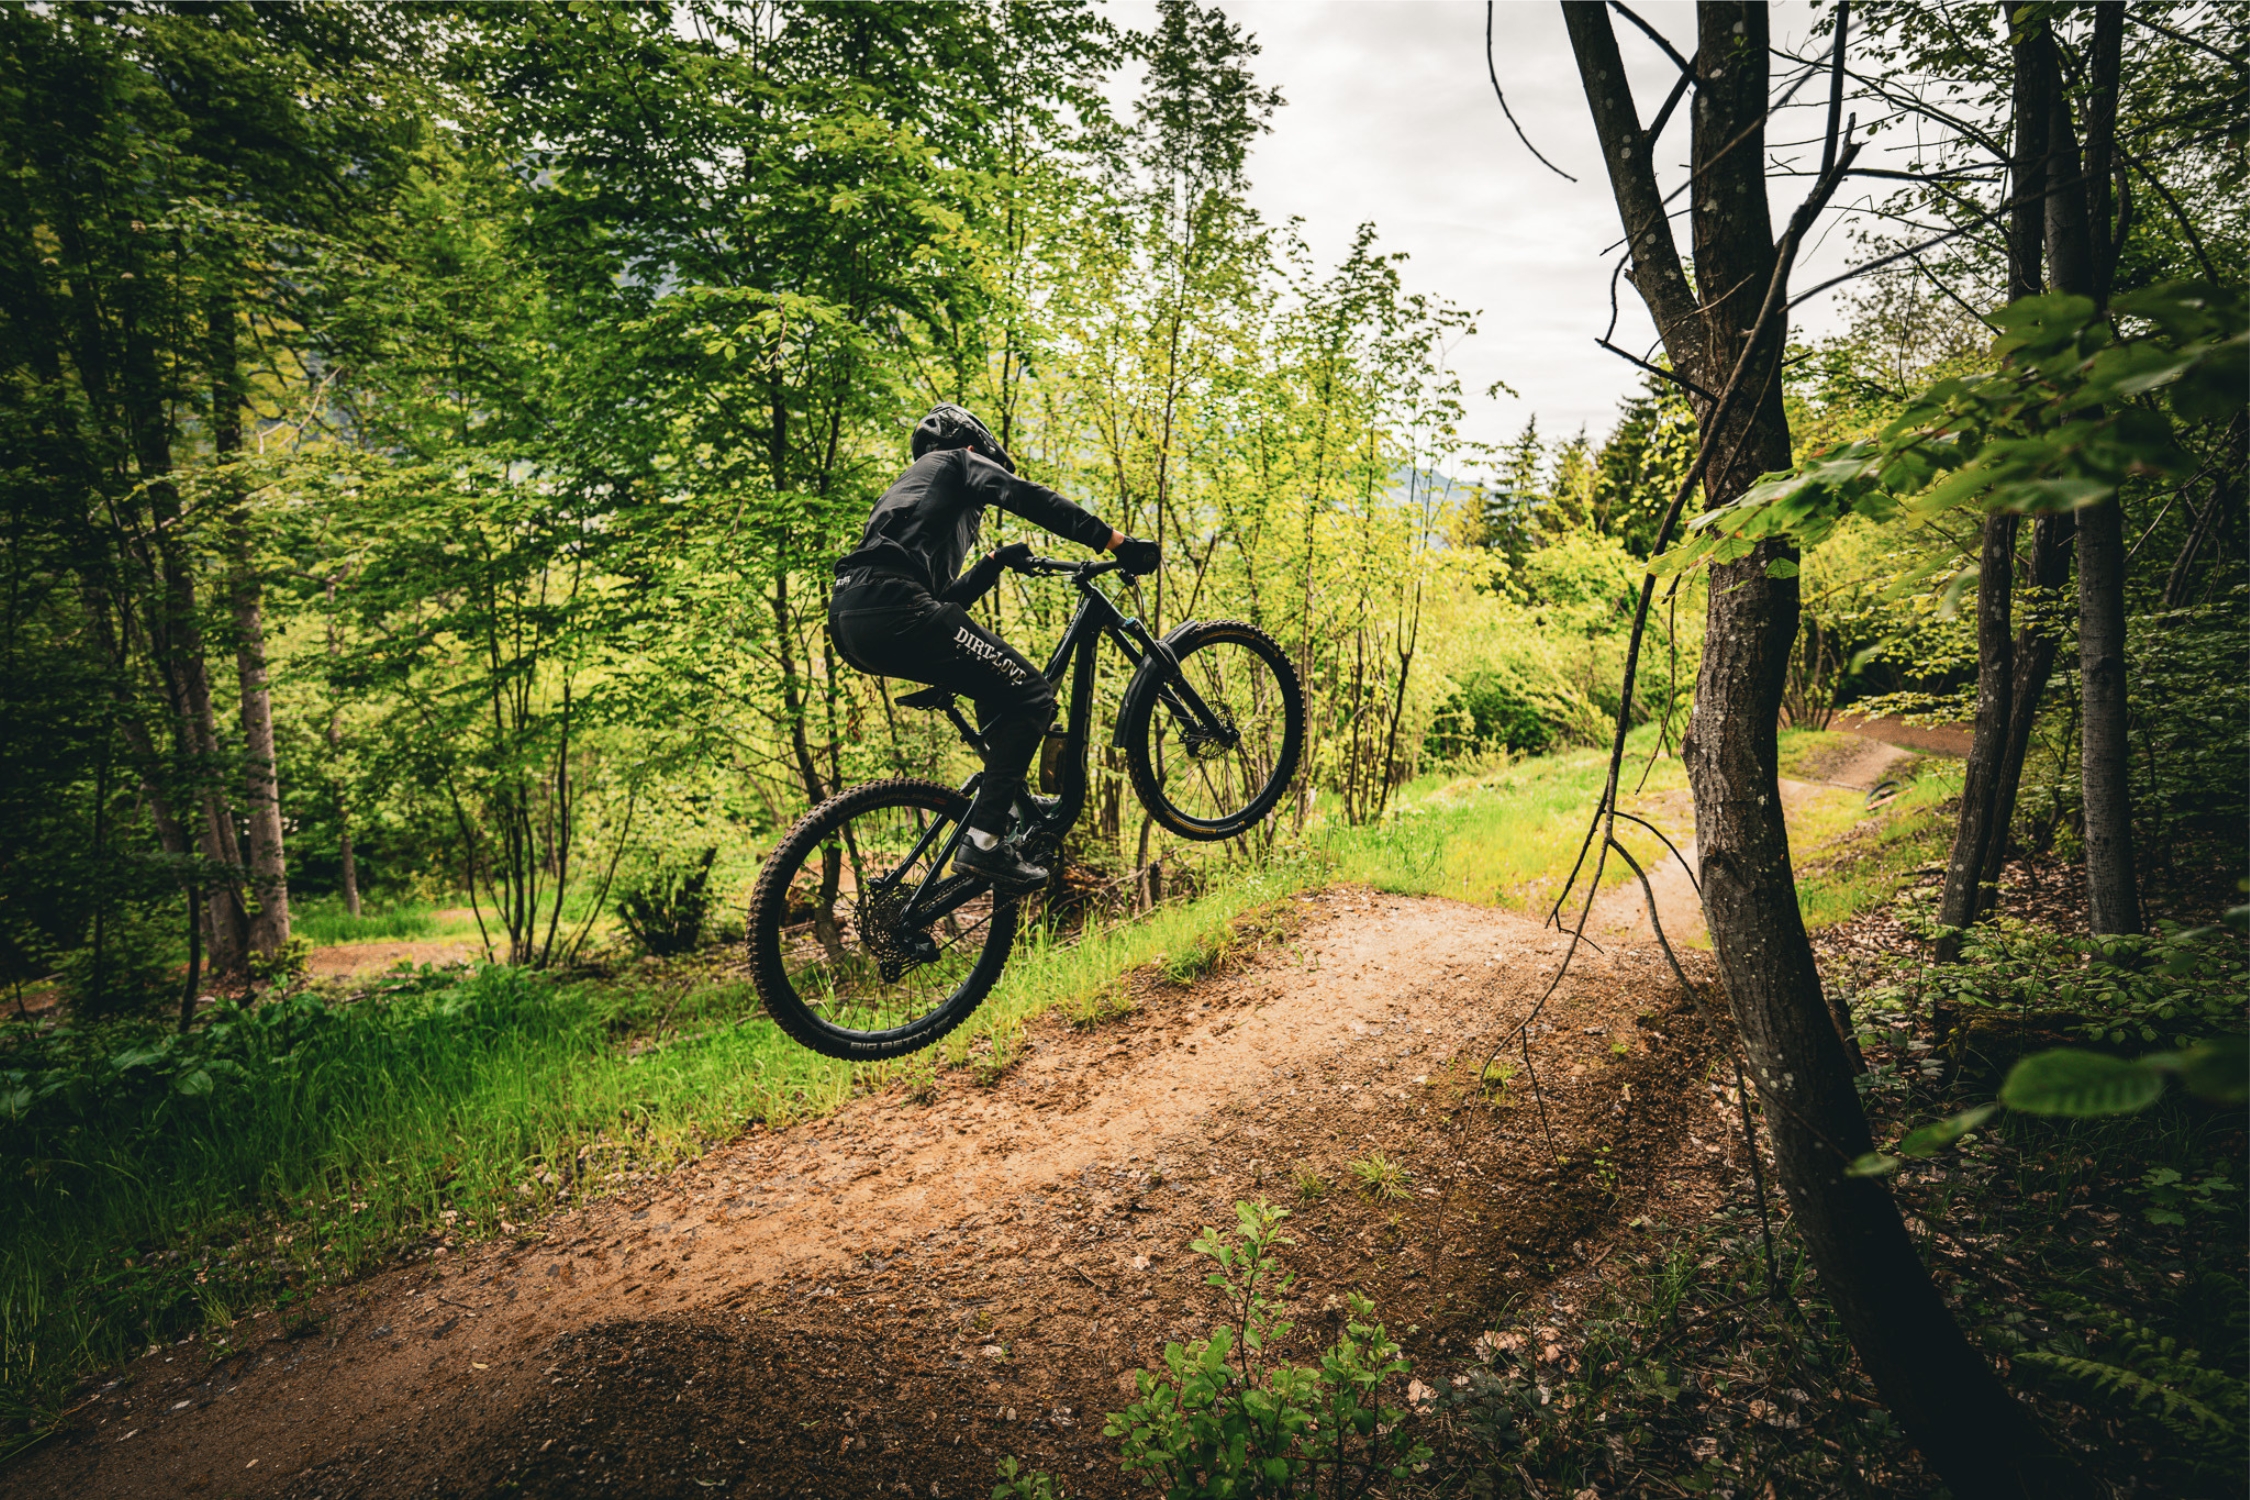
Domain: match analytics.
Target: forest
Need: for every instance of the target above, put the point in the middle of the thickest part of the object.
(428, 434)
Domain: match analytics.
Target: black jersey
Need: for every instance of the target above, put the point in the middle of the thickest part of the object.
(926, 524)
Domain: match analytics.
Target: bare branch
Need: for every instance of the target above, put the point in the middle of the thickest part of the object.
(1655, 36)
(1493, 69)
(1672, 375)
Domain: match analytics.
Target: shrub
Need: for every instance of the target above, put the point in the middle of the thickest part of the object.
(1232, 1421)
(667, 914)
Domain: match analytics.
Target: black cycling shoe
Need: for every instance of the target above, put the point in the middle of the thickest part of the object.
(1042, 808)
(1000, 865)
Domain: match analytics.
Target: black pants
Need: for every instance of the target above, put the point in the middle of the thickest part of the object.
(894, 628)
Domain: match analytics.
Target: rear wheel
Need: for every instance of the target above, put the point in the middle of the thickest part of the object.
(838, 966)
(1209, 762)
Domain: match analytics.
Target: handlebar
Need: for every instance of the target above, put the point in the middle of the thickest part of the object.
(1059, 567)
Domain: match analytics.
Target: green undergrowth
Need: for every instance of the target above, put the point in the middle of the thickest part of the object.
(1866, 864)
(2097, 1262)
(326, 923)
(1507, 837)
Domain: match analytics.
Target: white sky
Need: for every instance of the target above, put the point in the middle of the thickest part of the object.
(1391, 118)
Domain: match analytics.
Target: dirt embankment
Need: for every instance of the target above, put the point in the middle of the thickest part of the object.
(889, 1299)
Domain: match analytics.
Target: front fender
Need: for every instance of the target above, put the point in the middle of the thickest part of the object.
(1153, 669)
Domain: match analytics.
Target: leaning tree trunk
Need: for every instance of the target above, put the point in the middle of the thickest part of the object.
(2031, 662)
(1949, 1400)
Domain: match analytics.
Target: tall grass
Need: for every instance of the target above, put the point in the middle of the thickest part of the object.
(148, 1209)
(326, 923)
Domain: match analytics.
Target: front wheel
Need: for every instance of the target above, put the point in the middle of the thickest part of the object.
(861, 946)
(1212, 748)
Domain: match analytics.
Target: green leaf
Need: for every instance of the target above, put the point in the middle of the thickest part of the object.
(2066, 1081)
(1934, 1137)
(1781, 567)
(1874, 1164)
(2217, 1070)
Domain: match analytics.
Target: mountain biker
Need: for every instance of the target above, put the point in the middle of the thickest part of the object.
(900, 609)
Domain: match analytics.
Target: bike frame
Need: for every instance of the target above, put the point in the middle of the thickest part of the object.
(1096, 616)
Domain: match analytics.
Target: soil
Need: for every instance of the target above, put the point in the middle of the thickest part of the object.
(891, 1298)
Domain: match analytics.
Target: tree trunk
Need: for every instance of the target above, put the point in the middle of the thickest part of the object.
(2105, 750)
(269, 876)
(1982, 820)
(2033, 660)
(1987, 787)
(1949, 1400)
(335, 766)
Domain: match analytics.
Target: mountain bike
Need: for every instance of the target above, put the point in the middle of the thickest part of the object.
(864, 944)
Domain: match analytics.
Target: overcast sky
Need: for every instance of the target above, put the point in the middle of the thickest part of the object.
(1391, 118)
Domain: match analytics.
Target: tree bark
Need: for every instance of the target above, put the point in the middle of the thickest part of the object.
(1987, 788)
(2032, 659)
(269, 875)
(1982, 818)
(2032, 104)
(1948, 1399)
(2105, 749)
(335, 767)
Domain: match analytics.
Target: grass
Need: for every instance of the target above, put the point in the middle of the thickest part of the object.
(1507, 838)
(459, 1110)
(1379, 1177)
(447, 1108)
(1863, 864)
(325, 923)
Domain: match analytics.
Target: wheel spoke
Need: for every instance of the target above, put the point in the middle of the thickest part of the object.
(877, 974)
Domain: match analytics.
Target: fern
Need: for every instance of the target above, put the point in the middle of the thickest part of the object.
(2152, 1376)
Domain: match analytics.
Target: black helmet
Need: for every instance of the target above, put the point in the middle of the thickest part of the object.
(948, 426)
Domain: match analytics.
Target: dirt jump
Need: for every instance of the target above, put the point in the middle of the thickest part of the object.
(889, 1299)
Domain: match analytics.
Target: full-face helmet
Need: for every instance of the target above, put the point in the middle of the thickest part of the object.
(949, 426)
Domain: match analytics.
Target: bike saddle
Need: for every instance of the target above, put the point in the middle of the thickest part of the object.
(927, 698)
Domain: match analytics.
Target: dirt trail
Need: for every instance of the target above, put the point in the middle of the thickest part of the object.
(1621, 914)
(887, 1299)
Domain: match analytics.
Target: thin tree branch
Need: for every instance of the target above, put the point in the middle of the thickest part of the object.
(1672, 375)
(1493, 69)
(1655, 36)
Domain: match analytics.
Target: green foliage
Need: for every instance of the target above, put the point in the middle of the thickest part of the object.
(2060, 425)
(2172, 1196)
(1015, 1484)
(1234, 1422)
(667, 914)
(2176, 983)
(2082, 1085)
(2203, 1414)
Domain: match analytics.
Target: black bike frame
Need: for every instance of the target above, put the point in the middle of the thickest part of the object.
(1094, 618)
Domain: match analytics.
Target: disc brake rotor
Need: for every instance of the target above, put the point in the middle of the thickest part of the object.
(894, 946)
(1210, 743)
